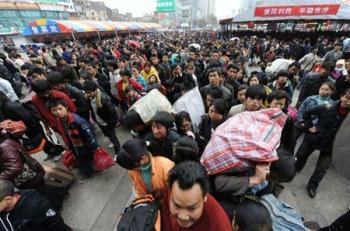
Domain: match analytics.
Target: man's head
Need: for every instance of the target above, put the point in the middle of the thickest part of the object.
(90, 88)
(189, 186)
(213, 93)
(121, 63)
(91, 70)
(133, 154)
(326, 69)
(232, 71)
(161, 124)
(294, 68)
(165, 58)
(241, 93)
(112, 65)
(37, 73)
(6, 196)
(282, 77)
(215, 56)
(56, 80)
(125, 75)
(42, 88)
(255, 96)
(134, 122)
(154, 60)
(345, 99)
(214, 77)
(338, 46)
(278, 99)
(58, 107)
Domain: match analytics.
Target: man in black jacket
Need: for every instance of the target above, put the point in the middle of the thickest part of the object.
(57, 82)
(103, 112)
(321, 137)
(27, 210)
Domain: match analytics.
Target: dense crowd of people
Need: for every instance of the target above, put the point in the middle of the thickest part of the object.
(77, 87)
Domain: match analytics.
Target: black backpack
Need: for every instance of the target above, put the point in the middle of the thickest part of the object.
(141, 215)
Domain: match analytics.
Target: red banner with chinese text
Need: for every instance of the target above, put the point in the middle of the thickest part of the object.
(300, 10)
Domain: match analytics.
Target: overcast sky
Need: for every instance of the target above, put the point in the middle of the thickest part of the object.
(140, 7)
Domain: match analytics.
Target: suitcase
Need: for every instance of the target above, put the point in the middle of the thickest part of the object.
(57, 175)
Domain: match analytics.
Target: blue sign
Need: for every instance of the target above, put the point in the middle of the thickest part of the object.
(45, 29)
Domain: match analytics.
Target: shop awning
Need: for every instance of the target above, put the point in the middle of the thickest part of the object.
(46, 26)
(277, 10)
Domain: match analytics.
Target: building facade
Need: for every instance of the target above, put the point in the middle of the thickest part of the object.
(15, 15)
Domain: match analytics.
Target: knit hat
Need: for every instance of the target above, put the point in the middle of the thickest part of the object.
(164, 118)
(131, 153)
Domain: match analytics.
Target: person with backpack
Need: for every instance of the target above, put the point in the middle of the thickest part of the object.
(148, 173)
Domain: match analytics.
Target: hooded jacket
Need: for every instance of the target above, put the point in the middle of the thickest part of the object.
(32, 213)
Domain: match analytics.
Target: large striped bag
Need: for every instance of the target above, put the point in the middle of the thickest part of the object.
(248, 136)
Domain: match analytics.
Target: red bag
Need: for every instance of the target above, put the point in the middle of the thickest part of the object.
(102, 160)
(15, 128)
(69, 160)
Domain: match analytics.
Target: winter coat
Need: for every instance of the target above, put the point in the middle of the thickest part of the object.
(6, 87)
(309, 102)
(163, 147)
(160, 169)
(329, 121)
(12, 165)
(105, 109)
(152, 71)
(287, 88)
(78, 97)
(132, 83)
(46, 115)
(79, 135)
(310, 86)
(341, 85)
(32, 212)
(308, 61)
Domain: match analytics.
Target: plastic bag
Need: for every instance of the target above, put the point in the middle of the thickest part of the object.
(69, 160)
(102, 160)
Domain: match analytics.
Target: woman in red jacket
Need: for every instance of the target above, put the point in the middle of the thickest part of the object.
(125, 82)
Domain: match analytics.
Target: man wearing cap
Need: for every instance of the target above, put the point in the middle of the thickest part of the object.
(27, 210)
(148, 173)
(162, 138)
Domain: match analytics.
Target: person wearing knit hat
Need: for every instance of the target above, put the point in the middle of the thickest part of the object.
(148, 173)
(162, 138)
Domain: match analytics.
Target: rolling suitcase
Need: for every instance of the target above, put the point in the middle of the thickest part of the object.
(57, 175)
